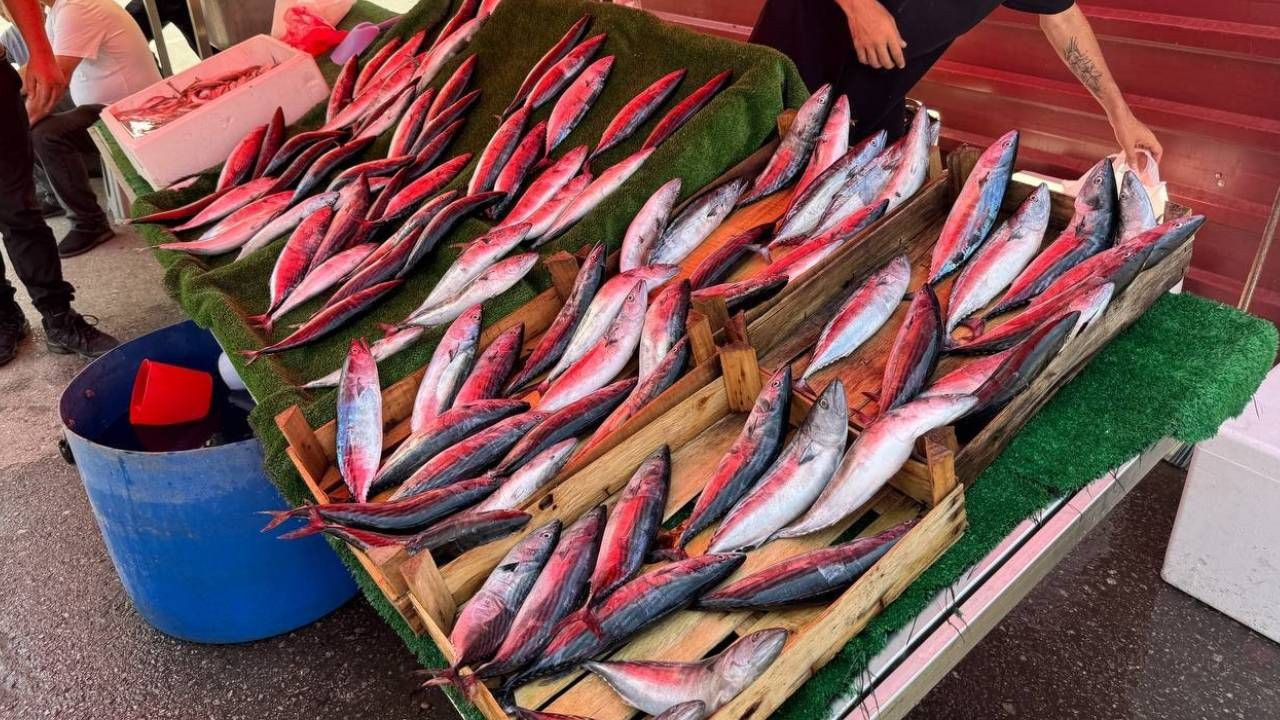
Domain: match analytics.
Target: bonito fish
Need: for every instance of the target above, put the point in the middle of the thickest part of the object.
(794, 149)
(647, 225)
(359, 436)
(449, 366)
(974, 211)
(866, 310)
(695, 223)
(914, 352)
(633, 525)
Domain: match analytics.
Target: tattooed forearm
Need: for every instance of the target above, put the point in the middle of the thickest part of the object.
(1083, 67)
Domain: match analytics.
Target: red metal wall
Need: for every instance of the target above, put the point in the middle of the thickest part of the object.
(1204, 75)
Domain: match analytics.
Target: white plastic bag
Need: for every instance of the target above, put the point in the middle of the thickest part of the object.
(331, 10)
(1149, 174)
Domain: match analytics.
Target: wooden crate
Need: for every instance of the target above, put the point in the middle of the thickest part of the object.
(786, 333)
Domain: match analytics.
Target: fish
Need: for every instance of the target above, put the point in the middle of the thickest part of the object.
(999, 260)
(604, 307)
(448, 118)
(557, 591)
(913, 169)
(513, 173)
(378, 167)
(793, 151)
(479, 255)
(359, 436)
(632, 529)
(466, 11)
(1136, 214)
(663, 326)
(807, 577)
(811, 204)
(498, 151)
(686, 109)
(447, 369)
(576, 101)
(547, 185)
(406, 53)
(234, 230)
(860, 189)
(547, 61)
(543, 218)
(636, 605)
(663, 376)
(691, 227)
(242, 159)
(295, 257)
(814, 251)
(747, 458)
(272, 139)
(742, 294)
(529, 478)
(600, 188)
(326, 321)
(654, 687)
(1088, 233)
(388, 116)
(647, 225)
(296, 170)
(343, 87)
(974, 211)
(430, 150)
(483, 622)
(692, 710)
(389, 259)
(384, 189)
(915, 350)
(794, 480)
(453, 88)
(563, 71)
(492, 368)
(229, 202)
(294, 146)
(396, 340)
(361, 539)
(1121, 264)
(499, 278)
(375, 96)
(556, 337)
(877, 454)
(409, 515)
(467, 530)
(637, 110)
(487, 7)
(374, 64)
(445, 50)
(327, 163)
(569, 421)
(605, 359)
(440, 433)
(330, 273)
(717, 265)
(444, 222)
(353, 204)
(1089, 298)
(469, 457)
(182, 212)
(412, 195)
(831, 144)
(865, 311)
(410, 123)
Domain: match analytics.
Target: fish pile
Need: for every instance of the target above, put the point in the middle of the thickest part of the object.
(358, 227)
(160, 110)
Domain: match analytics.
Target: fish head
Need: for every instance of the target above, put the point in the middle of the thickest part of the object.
(1174, 234)
(749, 656)
(1132, 189)
(1002, 152)
(536, 545)
(1096, 200)
(828, 421)
(1034, 211)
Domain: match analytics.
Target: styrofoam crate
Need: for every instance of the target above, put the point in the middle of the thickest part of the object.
(203, 138)
(1226, 537)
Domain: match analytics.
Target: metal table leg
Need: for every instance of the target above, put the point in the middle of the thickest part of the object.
(157, 32)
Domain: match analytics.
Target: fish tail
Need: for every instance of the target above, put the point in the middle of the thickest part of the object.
(975, 325)
(763, 251)
(315, 525)
(803, 384)
(250, 356)
(446, 676)
(278, 517)
(263, 322)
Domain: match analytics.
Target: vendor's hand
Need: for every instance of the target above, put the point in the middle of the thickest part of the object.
(1134, 137)
(875, 34)
(44, 84)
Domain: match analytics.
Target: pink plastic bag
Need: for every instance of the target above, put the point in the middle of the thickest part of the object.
(309, 24)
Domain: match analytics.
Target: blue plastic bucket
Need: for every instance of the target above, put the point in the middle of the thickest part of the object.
(183, 528)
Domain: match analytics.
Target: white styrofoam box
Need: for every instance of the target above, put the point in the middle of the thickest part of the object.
(203, 138)
(1225, 546)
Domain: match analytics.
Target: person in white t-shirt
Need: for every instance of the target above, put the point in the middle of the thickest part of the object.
(102, 52)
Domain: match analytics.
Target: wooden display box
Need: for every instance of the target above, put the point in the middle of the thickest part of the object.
(786, 333)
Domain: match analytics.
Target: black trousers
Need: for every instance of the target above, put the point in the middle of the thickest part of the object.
(27, 239)
(815, 35)
(61, 142)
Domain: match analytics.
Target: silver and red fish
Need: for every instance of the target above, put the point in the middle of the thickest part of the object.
(410, 198)
(548, 60)
(327, 320)
(865, 311)
(442, 432)
(743, 294)
(574, 419)
(236, 229)
(272, 139)
(656, 687)
(293, 173)
(686, 109)
(663, 376)
(479, 255)
(602, 362)
(600, 188)
(1136, 214)
(395, 340)
(380, 91)
(794, 149)
(359, 435)
(693, 225)
(374, 64)
(343, 87)
(1013, 244)
(576, 101)
(811, 204)
(326, 164)
(464, 531)
(492, 368)
(529, 478)
(410, 124)
(447, 369)
(408, 515)
(832, 143)
(974, 211)
(445, 50)
(637, 110)
(547, 185)
(378, 167)
(295, 257)
(563, 71)
(453, 88)
(808, 577)
(471, 456)
(692, 710)
(466, 11)
(664, 322)
(242, 160)
(353, 204)
(543, 218)
(717, 265)
(444, 222)
(294, 146)
(1089, 298)
(230, 201)
(794, 480)
(915, 350)
(387, 117)
(632, 529)
(330, 273)
(747, 458)
(449, 119)
(813, 251)
(499, 278)
(647, 225)
(556, 337)
(913, 169)
(498, 151)
(1122, 264)
(389, 259)
(522, 161)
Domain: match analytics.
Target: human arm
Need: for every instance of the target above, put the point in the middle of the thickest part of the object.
(875, 34)
(43, 79)
(1072, 37)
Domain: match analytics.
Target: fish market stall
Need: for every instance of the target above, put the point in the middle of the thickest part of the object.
(520, 268)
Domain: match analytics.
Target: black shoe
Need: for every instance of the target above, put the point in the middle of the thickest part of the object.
(13, 328)
(72, 333)
(79, 242)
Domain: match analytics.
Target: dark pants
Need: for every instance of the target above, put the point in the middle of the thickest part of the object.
(61, 142)
(27, 239)
(815, 35)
